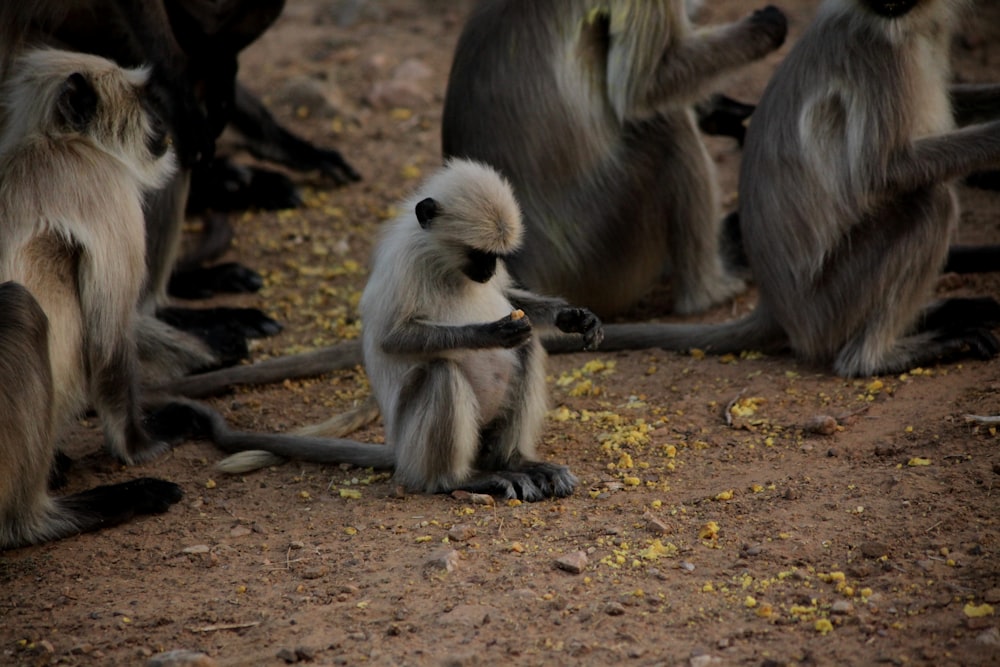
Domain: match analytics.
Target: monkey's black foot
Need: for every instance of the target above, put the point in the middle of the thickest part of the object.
(225, 186)
(581, 321)
(961, 314)
(531, 482)
(973, 259)
(108, 505)
(331, 164)
(178, 421)
(204, 282)
(249, 322)
(986, 180)
(972, 343)
(723, 116)
(61, 465)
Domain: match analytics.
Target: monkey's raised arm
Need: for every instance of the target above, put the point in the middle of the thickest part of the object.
(416, 337)
(975, 102)
(686, 68)
(555, 311)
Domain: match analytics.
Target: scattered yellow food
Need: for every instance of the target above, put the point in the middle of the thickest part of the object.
(918, 461)
(978, 611)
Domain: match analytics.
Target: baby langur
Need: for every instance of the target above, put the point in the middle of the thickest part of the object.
(28, 515)
(847, 198)
(588, 108)
(454, 363)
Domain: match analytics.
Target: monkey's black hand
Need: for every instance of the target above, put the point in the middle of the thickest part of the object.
(723, 116)
(772, 22)
(333, 165)
(508, 332)
(581, 321)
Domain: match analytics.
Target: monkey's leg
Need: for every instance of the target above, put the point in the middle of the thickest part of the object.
(435, 432)
(507, 444)
(688, 205)
(267, 140)
(164, 223)
(900, 254)
(223, 185)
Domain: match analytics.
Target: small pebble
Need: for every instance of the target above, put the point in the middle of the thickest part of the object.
(574, 562)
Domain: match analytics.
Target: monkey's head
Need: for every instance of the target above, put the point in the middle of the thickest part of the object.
(69, 96)
(471, 209)
(891, 8)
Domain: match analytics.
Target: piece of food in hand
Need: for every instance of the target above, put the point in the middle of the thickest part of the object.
(516, 314)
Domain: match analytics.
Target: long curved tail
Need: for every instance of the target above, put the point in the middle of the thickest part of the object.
(756, 331)
(206, 422)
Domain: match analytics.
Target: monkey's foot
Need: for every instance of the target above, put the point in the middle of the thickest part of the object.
(204, 282)
(960, 314)
(530, 482)
(709, 293)
(177, 421)
(972, 343)
(115, 503)
(225, 186)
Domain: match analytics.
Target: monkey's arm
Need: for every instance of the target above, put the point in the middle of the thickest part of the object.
(555, 311)
(975, 102)
(417, 337)
(688, 67)
(944, 157)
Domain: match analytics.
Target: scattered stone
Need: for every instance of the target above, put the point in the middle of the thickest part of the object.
(305, 653)
(445, 560)
(687, 566)
(574, 562)
(791, 494)
(992, 596)
(309, 97)
(614, 609)
(462, 532)
(841, 607)
(873, 549)
(654, 524)
(296, 544)
(474, 498)
(239, 531)
(469, 615)
(990, 637)
(821, 425)
(705, 661)
(315, 572)
(288, 655)
(406, 88)
(181, 658)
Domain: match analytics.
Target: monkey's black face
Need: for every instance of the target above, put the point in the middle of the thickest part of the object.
(480, 266)
(891, 8)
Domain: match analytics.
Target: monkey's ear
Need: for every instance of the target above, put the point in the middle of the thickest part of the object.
(77, 103)
(427, 210)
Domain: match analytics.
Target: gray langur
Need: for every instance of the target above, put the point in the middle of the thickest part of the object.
(847, 198)
(588, 109)
(450, 349)
(78, 148)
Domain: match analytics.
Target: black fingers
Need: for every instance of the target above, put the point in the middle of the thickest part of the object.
(508, 332)
(221, 185)
(333, 165)
(958, 314)
(581, 321)
(723, 116)
(973, 258)
(250, 322)
(530, 482)
(204, 282)
(772, 22)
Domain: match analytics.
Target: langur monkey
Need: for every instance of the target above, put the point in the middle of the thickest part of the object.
(78, 148)
(588, 109)
(450, 349)
(847, 199)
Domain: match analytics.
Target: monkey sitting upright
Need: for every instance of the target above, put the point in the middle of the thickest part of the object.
(458, 373)
(78, 148)
(847, 197)
(587, 108)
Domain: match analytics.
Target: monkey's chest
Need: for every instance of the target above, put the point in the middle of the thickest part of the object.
(491, 374)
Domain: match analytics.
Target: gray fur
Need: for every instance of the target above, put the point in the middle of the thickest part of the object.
(587, 109)
(846, 196)
(459, 381)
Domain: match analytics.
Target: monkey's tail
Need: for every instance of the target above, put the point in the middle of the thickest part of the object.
(334, 427)
(205, 422)
(307, 364)
(756, 331)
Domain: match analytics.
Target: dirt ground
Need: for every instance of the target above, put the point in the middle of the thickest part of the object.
(707, 543)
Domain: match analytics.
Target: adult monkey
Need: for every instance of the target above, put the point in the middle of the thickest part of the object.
(587, 107)
(847, 197)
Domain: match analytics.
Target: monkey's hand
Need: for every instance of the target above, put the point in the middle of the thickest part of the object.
(508, 332)
(772, 23)
(581, 321)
